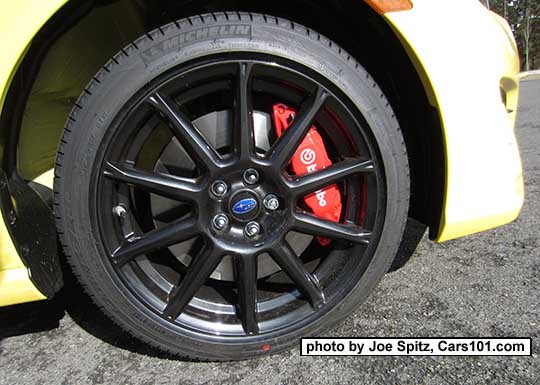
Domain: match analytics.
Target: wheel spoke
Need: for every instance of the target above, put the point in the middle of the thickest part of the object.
(309, 224)
(243, 110)
(186, 133)
(171, 213)
(287, 259)
(309, 183)
(246, 277)
(156, 239)
(199, 270)
(160, 184)
(284, 148)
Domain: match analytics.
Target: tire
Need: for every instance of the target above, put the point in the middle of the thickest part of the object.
(92, 134)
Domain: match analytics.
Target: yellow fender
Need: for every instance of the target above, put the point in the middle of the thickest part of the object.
(468, 58)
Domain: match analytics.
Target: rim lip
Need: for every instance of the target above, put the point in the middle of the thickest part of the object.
(265, 59)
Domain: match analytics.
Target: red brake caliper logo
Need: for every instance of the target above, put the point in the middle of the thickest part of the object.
(311, 156)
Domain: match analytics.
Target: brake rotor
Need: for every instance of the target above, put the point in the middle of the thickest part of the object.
(217, 128)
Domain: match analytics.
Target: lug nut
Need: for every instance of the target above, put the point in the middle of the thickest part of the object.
(220, 188)
(120, 211)
(252, 230)
(251, 176)
(271, 202)
(220, 222)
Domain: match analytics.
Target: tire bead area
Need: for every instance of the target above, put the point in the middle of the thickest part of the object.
(163, 49)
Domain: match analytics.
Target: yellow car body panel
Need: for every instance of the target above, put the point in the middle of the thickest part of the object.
(467, 54)
(463, 53)
(20, 21)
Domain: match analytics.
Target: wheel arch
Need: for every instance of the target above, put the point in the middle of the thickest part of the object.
(350, 23)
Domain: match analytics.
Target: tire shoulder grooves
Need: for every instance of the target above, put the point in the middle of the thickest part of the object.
(117, 60)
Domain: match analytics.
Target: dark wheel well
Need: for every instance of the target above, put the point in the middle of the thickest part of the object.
(350, 23)
(364, 34)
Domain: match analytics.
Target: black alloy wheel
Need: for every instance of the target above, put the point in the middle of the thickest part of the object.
(205, 245)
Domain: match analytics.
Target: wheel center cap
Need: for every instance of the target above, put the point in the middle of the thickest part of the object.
(244, 205)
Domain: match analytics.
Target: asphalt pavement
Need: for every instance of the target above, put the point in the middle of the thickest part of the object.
(483, 285)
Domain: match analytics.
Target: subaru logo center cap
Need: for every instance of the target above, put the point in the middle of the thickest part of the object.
(244, 206)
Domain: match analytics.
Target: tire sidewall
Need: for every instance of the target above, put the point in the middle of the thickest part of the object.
(167, 48)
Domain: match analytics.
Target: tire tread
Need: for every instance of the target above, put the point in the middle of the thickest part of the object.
(108, 71)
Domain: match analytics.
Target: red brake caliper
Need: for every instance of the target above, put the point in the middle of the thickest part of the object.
(311, 156)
